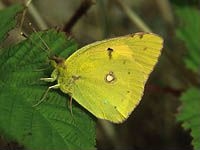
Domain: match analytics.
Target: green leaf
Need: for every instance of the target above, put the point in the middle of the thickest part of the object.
(189, 32)
(190, 114)
(7, 19)
(51, 124)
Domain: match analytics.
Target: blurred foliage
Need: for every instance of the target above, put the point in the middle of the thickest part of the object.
(189, 32)
(51, 124)
(189, 114)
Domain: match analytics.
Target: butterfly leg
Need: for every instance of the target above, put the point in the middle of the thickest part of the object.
(48, 79)
(53, 77)
(45, 94)
(70, 105)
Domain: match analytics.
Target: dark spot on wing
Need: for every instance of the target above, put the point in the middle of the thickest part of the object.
(75, 77)
(140, 36)
(110, 50)
(128, 91)
(129, 72)
(124, 61)
(115, 107)
(145, 48)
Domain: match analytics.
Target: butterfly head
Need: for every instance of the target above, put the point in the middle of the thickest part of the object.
(56, 61)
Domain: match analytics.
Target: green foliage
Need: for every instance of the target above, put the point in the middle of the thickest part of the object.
(7, 19)
(189, 114)
(189, 32)
(51, 124)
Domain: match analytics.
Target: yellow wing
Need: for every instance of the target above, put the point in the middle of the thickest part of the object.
(108, 77)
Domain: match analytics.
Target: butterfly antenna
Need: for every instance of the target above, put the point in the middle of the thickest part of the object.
(24, 35)
(40, 69)
(34, 30)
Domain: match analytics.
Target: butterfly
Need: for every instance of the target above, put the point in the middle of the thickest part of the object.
(108, 77)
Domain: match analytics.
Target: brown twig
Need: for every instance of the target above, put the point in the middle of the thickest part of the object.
(134, 17)
(83, 8)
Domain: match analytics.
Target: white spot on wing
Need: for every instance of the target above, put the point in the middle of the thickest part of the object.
(110, 77)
